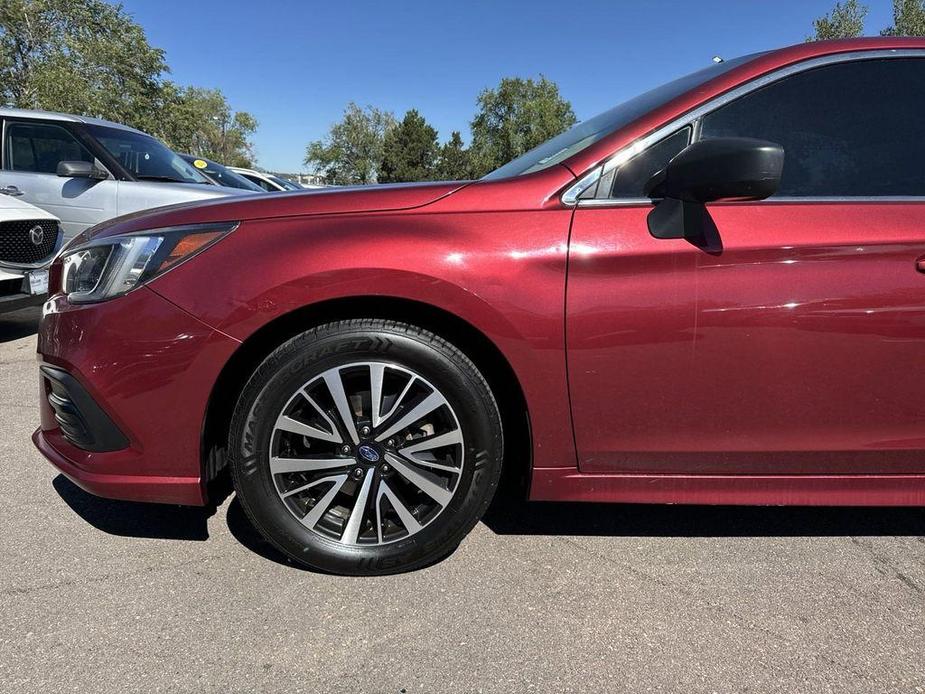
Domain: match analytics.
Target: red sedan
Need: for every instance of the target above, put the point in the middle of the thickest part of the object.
(712, 293)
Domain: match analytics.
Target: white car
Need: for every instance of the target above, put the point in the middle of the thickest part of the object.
(29, 240)
(85, 170)
(267, 181)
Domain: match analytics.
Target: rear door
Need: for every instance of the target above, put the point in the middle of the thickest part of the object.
(32, 150)
(793, 340)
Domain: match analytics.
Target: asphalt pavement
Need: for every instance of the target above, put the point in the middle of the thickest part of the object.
(107, 596)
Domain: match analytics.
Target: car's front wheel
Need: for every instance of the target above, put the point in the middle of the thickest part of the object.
(366, 446)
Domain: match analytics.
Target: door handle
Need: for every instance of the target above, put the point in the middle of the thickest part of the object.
(12, 191)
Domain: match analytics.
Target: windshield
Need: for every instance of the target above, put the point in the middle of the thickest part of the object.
(145, 158)
(285, 183)
(590, 131)
(222, 175)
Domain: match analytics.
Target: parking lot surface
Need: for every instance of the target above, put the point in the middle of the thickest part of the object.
(106, 596)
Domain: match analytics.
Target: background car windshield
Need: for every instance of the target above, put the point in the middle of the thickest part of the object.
(222, 175)
(144, 157)
(590, 131)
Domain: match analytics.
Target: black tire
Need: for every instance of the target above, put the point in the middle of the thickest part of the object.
(307, 355)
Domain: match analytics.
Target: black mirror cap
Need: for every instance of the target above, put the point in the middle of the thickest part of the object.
(722, 168)
(80, 169)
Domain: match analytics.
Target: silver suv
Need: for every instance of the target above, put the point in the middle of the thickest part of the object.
(85, 170)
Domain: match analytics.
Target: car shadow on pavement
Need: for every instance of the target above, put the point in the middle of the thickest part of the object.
(514, 517)
(135, 519)
(19, 324)
(507, 517)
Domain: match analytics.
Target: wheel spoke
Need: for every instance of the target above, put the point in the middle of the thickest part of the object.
(312, 517)
(398, 400)
(281, 465)
(354, 523)
(376, 376)
(294, 426)
(315, 483)
(336, 387)
(430, 443)
(439, 494)
(425, 407)
(404, 515)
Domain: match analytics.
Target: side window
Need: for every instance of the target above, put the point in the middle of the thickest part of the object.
(38, 147)
(850, 129)
(266, 185)
(631, 177)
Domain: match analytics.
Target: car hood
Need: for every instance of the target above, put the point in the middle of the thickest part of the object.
(22, 209)
(296, 203)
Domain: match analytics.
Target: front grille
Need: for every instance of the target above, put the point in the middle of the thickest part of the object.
(11, 287)
(17, 242)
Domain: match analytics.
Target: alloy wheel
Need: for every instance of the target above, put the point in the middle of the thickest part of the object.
(367, 453)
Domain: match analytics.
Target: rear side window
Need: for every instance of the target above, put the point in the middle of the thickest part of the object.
(40, 147)
(266, 185)
(631, 177)
(848, 130)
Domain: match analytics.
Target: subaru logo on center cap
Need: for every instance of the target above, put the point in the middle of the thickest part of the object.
(37, 235)
(368, 453)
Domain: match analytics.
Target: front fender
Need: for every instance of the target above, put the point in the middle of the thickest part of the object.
(503, 273)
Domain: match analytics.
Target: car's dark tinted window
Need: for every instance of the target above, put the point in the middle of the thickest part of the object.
(266, 185)
(851, 129)
(631, 177)
(39, 147)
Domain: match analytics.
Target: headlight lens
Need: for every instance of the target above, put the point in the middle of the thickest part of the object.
(109, 267)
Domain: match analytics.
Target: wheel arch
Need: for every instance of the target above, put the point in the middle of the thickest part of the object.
(486, 355)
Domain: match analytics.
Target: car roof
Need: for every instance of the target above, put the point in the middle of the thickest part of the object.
(27, 114)
(241, 169)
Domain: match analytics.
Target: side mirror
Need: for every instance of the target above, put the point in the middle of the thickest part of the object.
(80, 169)
(723, 168)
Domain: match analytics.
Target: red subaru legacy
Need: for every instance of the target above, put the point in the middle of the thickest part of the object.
(712, 293)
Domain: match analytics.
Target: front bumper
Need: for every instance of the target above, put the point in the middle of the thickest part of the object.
(13, 293)
(147, 368)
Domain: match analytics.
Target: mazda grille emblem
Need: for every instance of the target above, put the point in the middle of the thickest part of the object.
(37, 235)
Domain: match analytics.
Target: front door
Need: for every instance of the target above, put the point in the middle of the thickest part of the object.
(793, 341)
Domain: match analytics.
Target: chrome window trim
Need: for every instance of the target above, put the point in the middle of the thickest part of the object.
(790, 200)
(571, 197)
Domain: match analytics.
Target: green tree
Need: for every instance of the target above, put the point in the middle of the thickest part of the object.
(89, 57)
(201, 122)
(845, 21)
(453, 162)
(79, 56)
(409, 151)
(352, 150)
(515, 117)
(908, 19)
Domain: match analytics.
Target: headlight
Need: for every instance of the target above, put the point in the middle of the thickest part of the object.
(109, 267)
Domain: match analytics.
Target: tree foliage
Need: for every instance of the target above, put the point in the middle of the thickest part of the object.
(845, 21)
(908, 19)
(514, 118)
(352, 150)
(201, 122)
(89, 57)
(409, 151)
(453, 161)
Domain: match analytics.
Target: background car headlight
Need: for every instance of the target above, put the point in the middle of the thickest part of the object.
(109, 267)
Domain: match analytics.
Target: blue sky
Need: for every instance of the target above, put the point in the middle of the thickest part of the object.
(295, 64)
